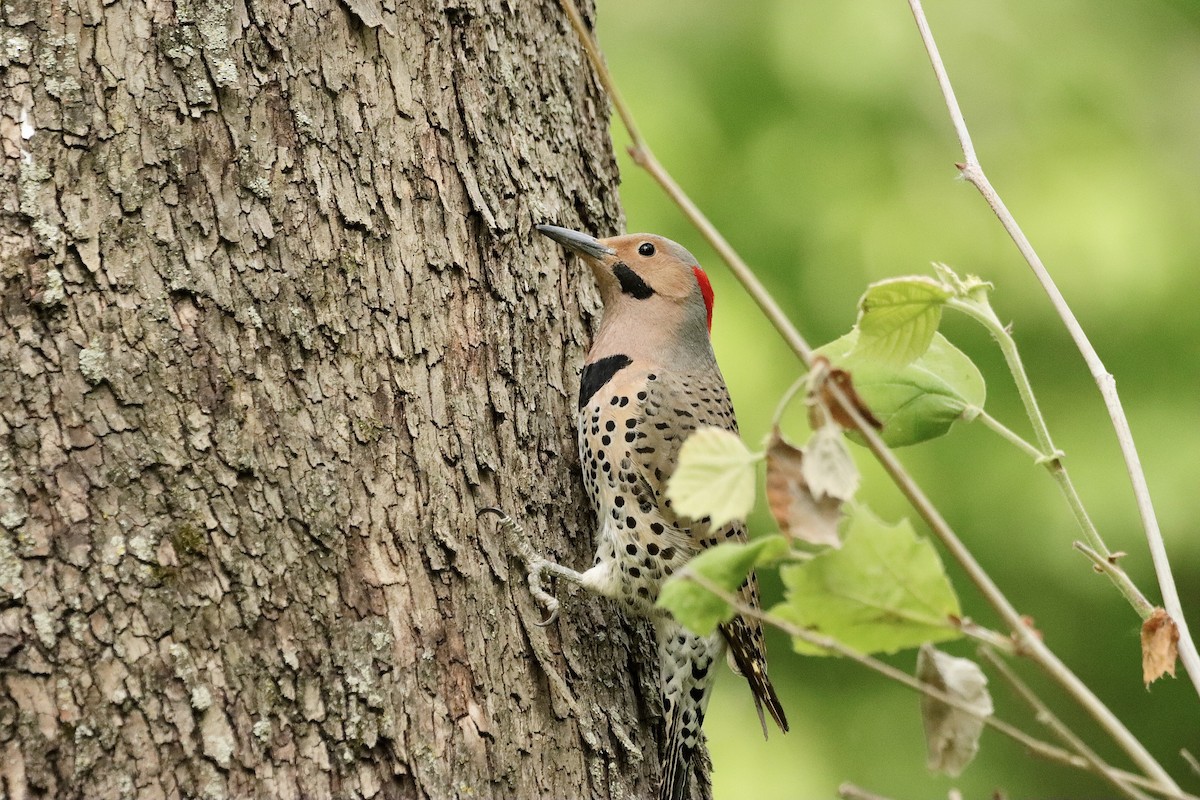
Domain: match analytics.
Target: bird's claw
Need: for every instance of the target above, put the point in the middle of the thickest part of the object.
(506, 521)
(544, 598)
(552, 607)
(535, 565)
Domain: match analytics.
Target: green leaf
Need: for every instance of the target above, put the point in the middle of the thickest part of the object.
(969, 288)
(885, 590)
(898, 318)
(916, 402)
(714, 477)
(725, 565)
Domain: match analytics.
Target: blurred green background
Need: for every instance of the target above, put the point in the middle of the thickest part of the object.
(814, 136)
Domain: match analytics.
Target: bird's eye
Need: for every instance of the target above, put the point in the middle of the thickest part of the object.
(646, 249)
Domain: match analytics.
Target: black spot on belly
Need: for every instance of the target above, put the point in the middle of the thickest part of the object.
(598, 373)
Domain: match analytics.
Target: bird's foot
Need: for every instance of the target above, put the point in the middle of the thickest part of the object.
(536, 566)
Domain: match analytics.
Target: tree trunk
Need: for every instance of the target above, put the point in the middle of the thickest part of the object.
(274, 328)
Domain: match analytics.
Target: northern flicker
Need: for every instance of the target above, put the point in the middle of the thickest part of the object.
(648, 381)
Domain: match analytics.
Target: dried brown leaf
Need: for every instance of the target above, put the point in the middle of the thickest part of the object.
(1160, 646)
(843, 380)
(951, 734)
(799, 514)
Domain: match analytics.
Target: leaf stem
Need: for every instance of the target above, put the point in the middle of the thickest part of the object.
(974, 174)
(981, 311)
(1012, 437)
(786, 400)
(1028, 642)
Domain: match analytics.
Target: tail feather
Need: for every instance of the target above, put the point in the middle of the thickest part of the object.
(746, 647)
(687, 664)
(677, 767)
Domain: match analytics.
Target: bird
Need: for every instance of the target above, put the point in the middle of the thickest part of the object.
(649, 379)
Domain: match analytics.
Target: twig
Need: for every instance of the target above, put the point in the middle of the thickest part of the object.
(1035, 746)
(1047, 717)
(973, 173)
(987, 636)
(1107, 565)
(1027, 641)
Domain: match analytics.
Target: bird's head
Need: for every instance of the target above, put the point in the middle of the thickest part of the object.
(644, 279)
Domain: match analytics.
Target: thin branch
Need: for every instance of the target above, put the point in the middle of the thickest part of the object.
(1035, 746)
(1108, 566)
(973, 172)
(1028, 642)
(987, 636)
(939, 69)
(1047, 717)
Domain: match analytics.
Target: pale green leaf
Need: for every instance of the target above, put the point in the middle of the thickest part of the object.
(898, 318)
(725, 565)
(714, 477)
(829, 469)
(920, 400)
(972, 286)
(885, 590)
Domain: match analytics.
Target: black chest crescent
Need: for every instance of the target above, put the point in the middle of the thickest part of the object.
(598, 373)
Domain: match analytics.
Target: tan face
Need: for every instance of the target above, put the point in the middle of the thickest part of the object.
(642, 275)
(644, 263)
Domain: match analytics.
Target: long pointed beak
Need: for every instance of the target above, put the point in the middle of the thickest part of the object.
(579, 242)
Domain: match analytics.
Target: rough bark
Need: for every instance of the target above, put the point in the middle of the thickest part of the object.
(274, 327)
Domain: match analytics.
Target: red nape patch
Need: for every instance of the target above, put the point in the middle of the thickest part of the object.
(706, 290)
